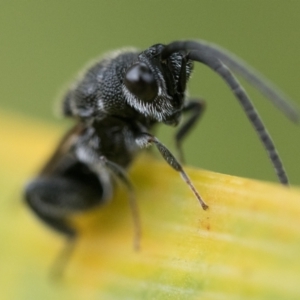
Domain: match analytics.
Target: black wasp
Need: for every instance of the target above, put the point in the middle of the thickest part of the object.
(116, 104)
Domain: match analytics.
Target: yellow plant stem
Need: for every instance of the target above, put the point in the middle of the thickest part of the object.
(245, 246)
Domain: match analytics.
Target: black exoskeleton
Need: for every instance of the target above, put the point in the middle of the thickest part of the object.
(116, 104)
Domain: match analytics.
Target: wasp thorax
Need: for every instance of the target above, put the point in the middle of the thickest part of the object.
(140, 81)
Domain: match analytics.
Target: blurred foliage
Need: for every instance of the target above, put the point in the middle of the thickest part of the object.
(44, 44)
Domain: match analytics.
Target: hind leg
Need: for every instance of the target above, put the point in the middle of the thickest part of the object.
(53, 199)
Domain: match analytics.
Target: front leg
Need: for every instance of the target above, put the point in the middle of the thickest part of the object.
(196, 108)
(144, 140)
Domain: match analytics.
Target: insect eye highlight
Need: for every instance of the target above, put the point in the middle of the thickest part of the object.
(140, 81)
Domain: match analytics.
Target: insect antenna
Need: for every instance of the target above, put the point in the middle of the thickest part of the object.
(277, 97)
(213, 58)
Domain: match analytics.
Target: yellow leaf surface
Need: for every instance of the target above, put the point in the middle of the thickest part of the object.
(246, 246)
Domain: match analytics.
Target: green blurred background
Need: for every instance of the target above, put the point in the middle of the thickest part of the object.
(45, 43)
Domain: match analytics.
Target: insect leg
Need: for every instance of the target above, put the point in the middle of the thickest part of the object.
(55, 197)
(196, 108)
(62, 259)
(120, 173)
(145, 139)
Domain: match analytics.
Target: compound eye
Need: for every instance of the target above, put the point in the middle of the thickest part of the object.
(140, 81)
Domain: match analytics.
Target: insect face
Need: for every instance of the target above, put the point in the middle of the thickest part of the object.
(155, 87)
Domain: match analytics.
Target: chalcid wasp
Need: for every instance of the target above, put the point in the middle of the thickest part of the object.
(116, 104)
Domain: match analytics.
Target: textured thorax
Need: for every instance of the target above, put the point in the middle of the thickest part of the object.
(110, 137)
(102, 90)
(99, 91)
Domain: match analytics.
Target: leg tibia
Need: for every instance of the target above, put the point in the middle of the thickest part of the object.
(53, 199)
